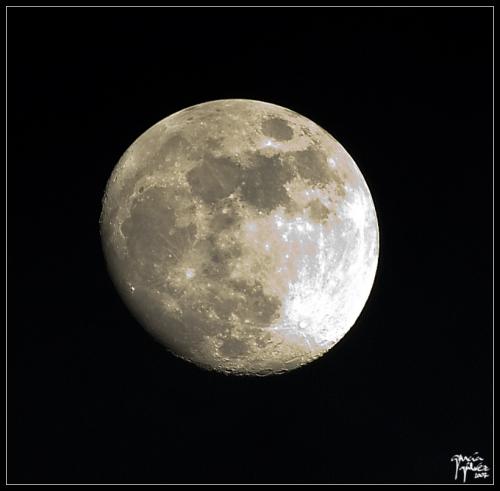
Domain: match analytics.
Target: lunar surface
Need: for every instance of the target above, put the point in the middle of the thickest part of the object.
(241, 235)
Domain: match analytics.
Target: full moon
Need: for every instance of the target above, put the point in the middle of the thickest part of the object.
(241, 235)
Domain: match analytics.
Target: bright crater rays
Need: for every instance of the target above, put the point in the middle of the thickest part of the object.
(241, 235)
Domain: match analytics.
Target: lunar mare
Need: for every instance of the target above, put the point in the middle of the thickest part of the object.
(241, 235)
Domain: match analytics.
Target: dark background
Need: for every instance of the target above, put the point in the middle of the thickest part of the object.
(93, 398)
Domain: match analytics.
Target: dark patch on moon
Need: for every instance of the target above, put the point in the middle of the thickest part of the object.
(277, 128)
(224, 219)
(152, 155)
(160, 158)
(263, 185)
(213, 249)
(312, 166)
(318, 211)
(225, 307)
(216, 259)
(257, 308)
(233, 348)
(151, 233)
(215, 178)
(224, 216)
(214, 143)
(175, 148)
(195, 318)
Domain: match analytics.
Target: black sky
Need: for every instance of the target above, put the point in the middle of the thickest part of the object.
(92, 398)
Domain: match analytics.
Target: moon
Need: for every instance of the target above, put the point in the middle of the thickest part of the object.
(241, 235)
